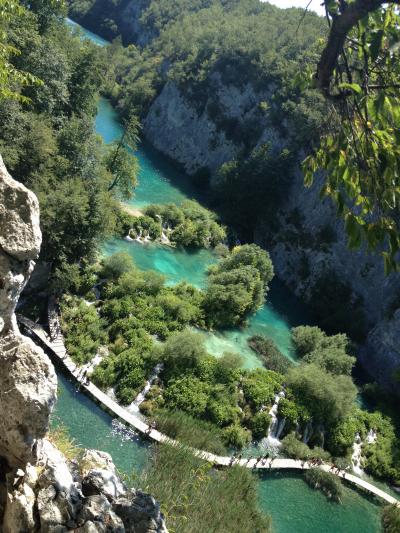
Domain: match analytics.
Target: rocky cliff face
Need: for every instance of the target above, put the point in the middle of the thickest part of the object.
(40, 490)
(308, 240)
(27, 379)
(212, 132)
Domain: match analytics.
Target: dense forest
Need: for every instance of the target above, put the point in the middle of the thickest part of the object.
(197, 44)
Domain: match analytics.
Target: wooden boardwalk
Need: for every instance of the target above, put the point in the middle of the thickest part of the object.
(57, 347)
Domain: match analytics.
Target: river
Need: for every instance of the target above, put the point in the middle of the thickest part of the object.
(294, 507)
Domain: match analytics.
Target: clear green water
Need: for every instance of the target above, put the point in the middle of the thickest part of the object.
(160, 182)
(294, 507)
(86, 33)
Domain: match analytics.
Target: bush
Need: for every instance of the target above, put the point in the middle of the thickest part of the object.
(83, 329)
(260, 387)
(115, 265)
(391, 519)
(326, 482)
(195, 498)
(237, 436)
(294, 448)
(188, 394)
(260, 424)
(271, 356)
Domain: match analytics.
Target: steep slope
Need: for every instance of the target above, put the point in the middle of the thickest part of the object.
(40, 490)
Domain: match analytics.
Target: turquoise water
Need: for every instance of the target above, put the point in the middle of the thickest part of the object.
(155, 183)
(86, 34)
(294, 507)
(160, 182)
(176, 264)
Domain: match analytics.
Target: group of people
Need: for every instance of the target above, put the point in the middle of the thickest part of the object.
(259, 460)
(311, 462)
(150, 427)
(83, 377)
(55, 329)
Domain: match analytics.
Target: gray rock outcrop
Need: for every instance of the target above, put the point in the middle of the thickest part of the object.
(27, 379)
(53, 496)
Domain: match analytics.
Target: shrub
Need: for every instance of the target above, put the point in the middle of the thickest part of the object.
(391, 519)
(260, 424)
(294, 448)
(236, 436)
(326, 482)
(271, 356)
(195, 498)
(115, 265)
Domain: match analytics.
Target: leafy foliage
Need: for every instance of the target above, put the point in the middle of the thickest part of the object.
(188, 225)
(237, 286)
(271, 356)
(324, 481)
(361, 158)
(195, 498)
(83, 328)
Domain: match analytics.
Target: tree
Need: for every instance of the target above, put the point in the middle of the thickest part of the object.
(328, 398)
(10, 77)
(328, 352)
(358, 72)
(182, 351)
(237, 286)
(188, 394)
(123, 167)
(116, 265)
(122, 164)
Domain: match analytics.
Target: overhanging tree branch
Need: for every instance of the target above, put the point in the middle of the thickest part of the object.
(342, 23)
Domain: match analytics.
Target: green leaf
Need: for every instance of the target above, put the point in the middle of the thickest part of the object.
(352, 86)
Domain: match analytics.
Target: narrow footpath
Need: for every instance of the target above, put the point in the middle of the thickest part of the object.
(55, 343)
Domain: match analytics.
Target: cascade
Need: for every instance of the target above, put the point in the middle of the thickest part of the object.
(371, 436)
(138, 238)
(307, 432)
(276, 427)
(356, 455)
(134, 406)
(281, 427)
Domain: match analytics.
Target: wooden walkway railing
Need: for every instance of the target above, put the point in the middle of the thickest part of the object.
(57, 347)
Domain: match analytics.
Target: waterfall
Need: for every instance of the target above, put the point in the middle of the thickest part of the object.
(164, 238)
(276, 426)
(139, 237)
(371, 436)
(134, 406)
(281, 427)
(356, 456)
(307, 432)
(128, 238)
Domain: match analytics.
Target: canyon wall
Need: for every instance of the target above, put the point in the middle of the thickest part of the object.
(307, 242)
(40, 489)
